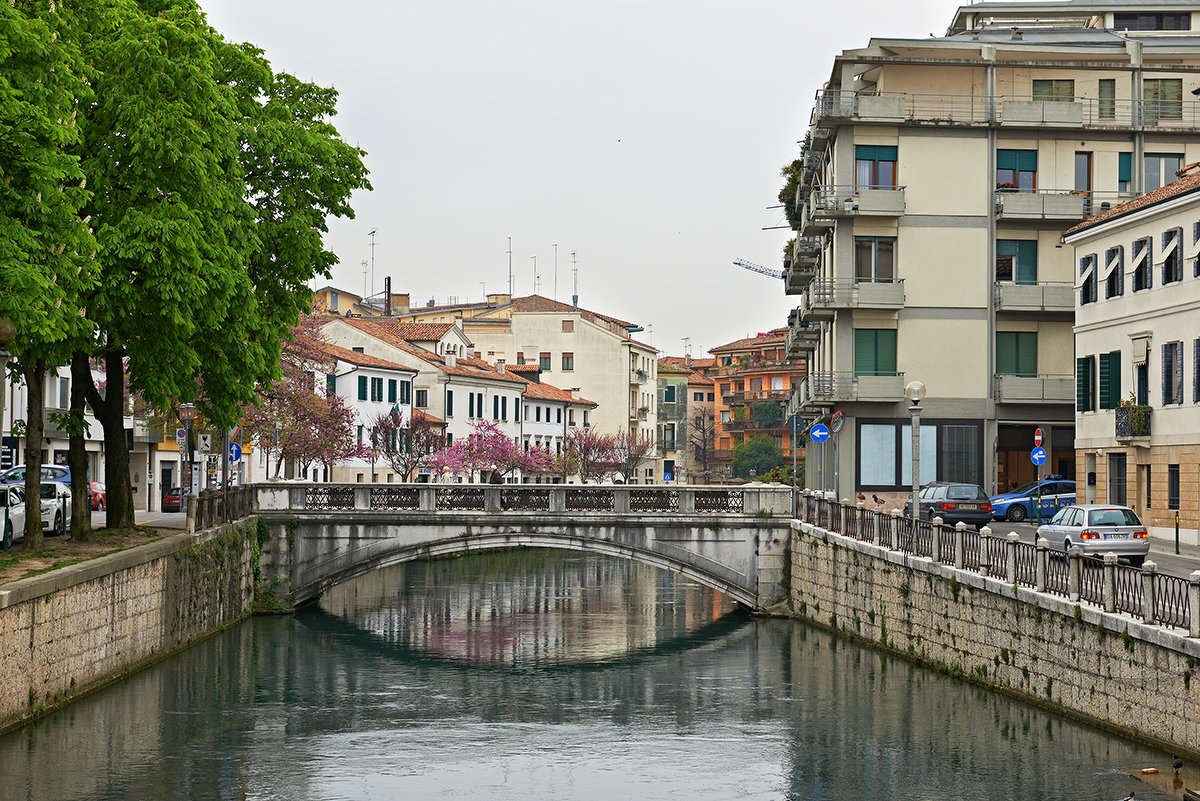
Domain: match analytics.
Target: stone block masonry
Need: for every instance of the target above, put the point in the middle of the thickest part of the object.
(1106, 668)
(66, 633)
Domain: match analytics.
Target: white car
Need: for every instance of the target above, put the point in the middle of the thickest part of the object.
(56, 507)
(12, 514)
(1099, 529)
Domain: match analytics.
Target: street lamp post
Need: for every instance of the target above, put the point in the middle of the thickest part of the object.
(8, 332)
(915, 392)
(187, 413)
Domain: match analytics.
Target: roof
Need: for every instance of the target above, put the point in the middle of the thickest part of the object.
(391, 332)
(762, 340)
(539, 303)
(543, 391)
(422, 416)
(677, 365)
(390, 329)
(362, 359)
(1186, 184)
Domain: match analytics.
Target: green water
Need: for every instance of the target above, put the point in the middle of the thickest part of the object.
(550, 675)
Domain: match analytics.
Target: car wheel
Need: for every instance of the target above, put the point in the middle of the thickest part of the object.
(1016, 514)
(1067, 544)
(59, 528)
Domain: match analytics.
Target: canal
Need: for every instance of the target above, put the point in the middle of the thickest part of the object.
(550, 675)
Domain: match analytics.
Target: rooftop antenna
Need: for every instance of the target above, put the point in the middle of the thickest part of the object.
(687, 347)
(372, 260)
(535, 275)
(483, 286)
(556, 272)
(510, 278)
(364, 266)
(575, 291)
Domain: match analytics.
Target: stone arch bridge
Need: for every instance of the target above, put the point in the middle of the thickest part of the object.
(731, 539)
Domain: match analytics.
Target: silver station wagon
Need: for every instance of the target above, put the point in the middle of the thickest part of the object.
(1099, 529)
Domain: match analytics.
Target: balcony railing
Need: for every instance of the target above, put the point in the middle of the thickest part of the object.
(753, 425)
(1132, 422)
(847, 200)
(1043, 388)
(833, 387)
(1040, 296)
(831, 294)
(802, 338)
(832, 106)
(753, 395)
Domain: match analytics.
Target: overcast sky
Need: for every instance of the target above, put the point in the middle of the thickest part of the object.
(644, 136)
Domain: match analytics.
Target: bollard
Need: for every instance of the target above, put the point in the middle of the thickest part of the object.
(1149, 596)
(859, 520)
(1108, 590)
(1042, 564)
(190, 526)
(960, 544)
(985, 553)
(1013, 539)
(935, 542)
(1194, 604)
(1075, 573)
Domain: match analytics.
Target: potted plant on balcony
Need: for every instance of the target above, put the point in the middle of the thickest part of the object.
(1133, 420)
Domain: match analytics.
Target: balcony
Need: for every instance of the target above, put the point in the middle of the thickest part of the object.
(1042, 204)
(828, 295)
(831, 201)
(826, 389)
(1043, 296)
(802, 269)
(1034, 388)
(833, 108)
(638, 377)
(738, 398)
(802, 338)
(1132, 424)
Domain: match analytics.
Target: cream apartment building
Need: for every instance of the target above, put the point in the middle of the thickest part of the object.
(936, 180)
(1137, 350)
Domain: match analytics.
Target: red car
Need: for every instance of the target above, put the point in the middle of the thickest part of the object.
(173, 500)
(98, 494)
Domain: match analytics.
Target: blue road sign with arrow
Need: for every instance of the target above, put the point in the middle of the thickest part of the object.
(819, 432)
(235, 451)
(1038, 456)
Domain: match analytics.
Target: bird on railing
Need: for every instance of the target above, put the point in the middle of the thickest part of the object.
(861, 498)
(878, 501)
(1176, 764)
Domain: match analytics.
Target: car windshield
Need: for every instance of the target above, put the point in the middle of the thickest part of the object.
(1114, 517)
(966, 492)
(1025, 490)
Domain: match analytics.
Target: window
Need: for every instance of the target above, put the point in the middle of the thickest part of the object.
(405, 392)
(698, 397)
(1114, 272)
(392, 390)
(517, 409)
(1083, 172)
(1195, 241)
(710, 397)
(422, 399)
(543, 361)
(1108, 98)
(1172, 373)
(1058, 89)
(669, 436)
(360, 442)
(1196, 371)
(377, 389)
(1110, 380)
(669, 393)
(725, 416)
(1172, 256)
(537, 411)
(960, 453)
(1116, 479)
(449, 406)
(952, 452)
(470, 404)
(1124, 172)
(520, 358)
(776, 383)
(1088, 277)
(357, 350)
(568, 361)
(362, 387)
(1143, 276)
(568, 326)
(479, 403)
(1016, 260)
(1163, 99)
(1161, 169)
(875, 258)
(333, 301)
(1172, 486)
(64, 393)
(1016, 353)
(558, 415)
(495, 407)
(1134, 21)
(874, 351)
(504, 407)
(1085, 381)
(874, 166)
(330, 384)
(1016, 170)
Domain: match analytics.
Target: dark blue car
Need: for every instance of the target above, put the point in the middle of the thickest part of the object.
(1049, 495)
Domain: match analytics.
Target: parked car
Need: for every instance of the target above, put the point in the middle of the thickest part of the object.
(99, 495)
(953, 502)
(1050, 495)
(173, 500)
(1099, 529)
(56, 507)
(50, 472)
(12, 512)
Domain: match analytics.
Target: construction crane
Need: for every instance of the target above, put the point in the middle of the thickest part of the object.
(758, 268)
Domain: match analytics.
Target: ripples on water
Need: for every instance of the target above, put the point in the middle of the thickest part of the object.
(549, 675)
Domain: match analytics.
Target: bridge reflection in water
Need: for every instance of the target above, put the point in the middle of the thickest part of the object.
(392, 691)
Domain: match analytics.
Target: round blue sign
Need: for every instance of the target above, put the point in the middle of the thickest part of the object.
(819, 432)
(1038, 456)
(235, 451)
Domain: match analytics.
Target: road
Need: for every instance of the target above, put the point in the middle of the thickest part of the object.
(1162, 552)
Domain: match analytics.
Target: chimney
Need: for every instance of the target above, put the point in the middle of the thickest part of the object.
(451, 360)
(498, 299)
(574, 393)
(500, 365)
(400, 302)
(387, 296)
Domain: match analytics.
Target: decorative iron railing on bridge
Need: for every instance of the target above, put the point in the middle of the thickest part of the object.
(1143, 592)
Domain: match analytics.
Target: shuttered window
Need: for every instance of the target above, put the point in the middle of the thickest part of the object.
(362, 387)
(874, 351)
(1016, 169)
(1196, 371)
(1016, 353)
(1163, 99)
(1016, 260)
(391, 390)
(1108, 98)
(1057, 89)
(1085, 372)
(1109, 396)
(1124, 171)
(1172, 373)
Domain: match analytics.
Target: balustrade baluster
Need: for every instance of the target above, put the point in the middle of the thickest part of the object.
(1042, 564)
(960, 544)
(1149, 596)
(1108, 590)
(1013, 539)
(1194, 604)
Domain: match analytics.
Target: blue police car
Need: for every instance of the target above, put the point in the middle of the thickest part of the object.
(1049, 495)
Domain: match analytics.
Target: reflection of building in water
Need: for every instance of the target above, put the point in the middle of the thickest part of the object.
(523, 607)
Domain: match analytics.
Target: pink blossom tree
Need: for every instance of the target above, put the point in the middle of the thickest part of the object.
(589, 454)
(488, 451)
(630, 450)
(407, 448)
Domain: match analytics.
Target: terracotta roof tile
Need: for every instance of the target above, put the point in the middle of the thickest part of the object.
(391, 330)
(420, 415)
(1188, 183)
(362, 359)
(762, 340)
(543, 391)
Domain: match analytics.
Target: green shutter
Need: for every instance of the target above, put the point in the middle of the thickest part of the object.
(864, 152)
(885, 352)
(864, 352)
(1006, 353)
(1106, 377)
(1006, 159)
(1084, 366)
(362, 387)
(1027, 351)
(874, 351)
(1124, 166)
(1026, 272)
(886, 153)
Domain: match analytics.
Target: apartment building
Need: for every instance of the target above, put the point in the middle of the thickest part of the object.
(936, 179)
(685, 421)
(549, 415)
(1137, 354)
(754, 378)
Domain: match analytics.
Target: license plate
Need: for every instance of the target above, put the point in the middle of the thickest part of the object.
(1115, 537)
(968, 506)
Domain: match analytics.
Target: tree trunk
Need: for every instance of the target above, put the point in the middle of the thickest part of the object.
(81, 501)
(110, 411)
(35, 382)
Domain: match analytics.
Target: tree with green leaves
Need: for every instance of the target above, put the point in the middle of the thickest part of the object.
(45, 244)
(760, 454)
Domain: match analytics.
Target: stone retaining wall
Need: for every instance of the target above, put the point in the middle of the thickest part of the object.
(70, 631)
(1103, 667)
